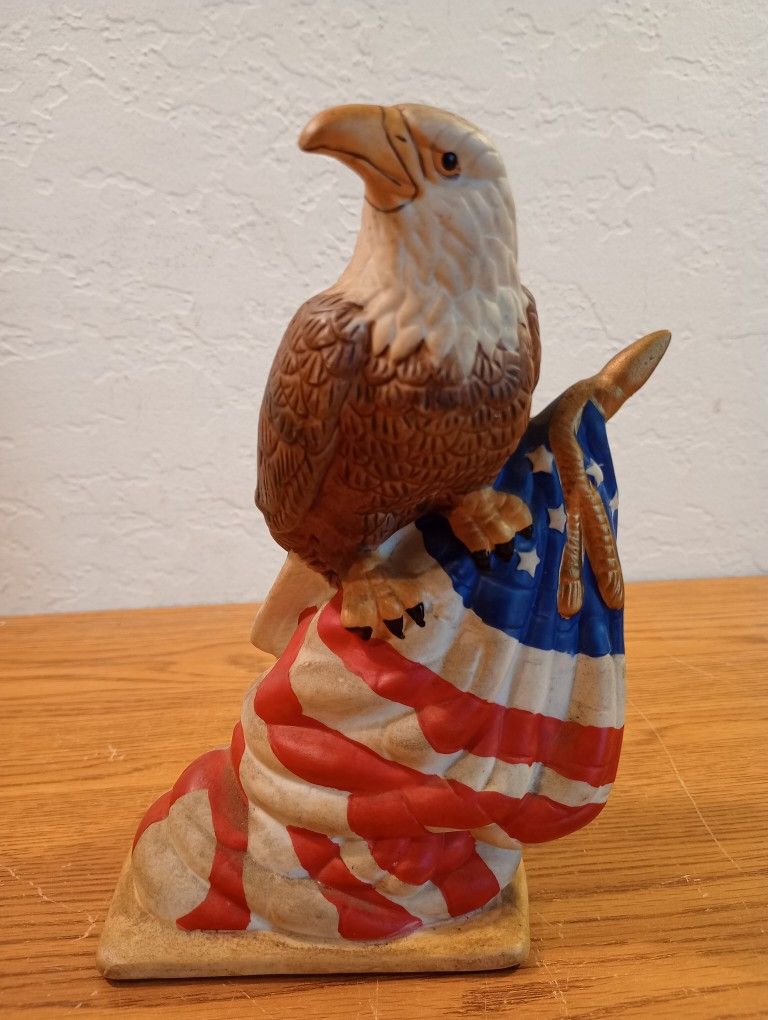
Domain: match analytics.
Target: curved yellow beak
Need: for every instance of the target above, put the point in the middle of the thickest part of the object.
(375, 142)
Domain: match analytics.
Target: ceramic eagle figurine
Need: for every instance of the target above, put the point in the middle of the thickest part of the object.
(403, 388)
(370, 810)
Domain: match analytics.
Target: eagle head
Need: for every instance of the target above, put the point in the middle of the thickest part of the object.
(406, 152)
(436, 258)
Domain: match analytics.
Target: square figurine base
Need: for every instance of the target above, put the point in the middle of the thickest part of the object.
(136, 945)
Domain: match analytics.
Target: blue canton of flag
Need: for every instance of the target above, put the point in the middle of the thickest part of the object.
(519, 597)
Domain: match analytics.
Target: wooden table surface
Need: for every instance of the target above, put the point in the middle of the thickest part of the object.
(657, 907)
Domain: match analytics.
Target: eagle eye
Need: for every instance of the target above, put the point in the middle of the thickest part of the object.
(449, 162)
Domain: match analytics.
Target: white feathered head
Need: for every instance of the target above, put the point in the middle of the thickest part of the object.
(436, 259)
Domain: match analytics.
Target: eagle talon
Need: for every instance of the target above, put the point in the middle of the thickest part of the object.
(376, 597)
(488, 519)
(416, 613)
(482, 560)
(505, 550)
(396, 627)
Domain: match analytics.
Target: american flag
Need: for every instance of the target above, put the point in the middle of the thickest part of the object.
(372, 788)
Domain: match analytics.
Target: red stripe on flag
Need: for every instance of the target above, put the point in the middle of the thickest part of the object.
(224, 906)
(535, 818)
(449, 859)
(363, 912)
(388, 798)
(453, 720)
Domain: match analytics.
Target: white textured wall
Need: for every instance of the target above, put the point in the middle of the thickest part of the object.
(159, 227)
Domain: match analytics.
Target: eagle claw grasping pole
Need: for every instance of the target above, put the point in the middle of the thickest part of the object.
(403, 388)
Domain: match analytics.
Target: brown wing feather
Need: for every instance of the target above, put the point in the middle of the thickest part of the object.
(317, 361)
(367, 445)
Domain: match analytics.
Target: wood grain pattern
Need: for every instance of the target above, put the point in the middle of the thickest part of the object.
(657, 907)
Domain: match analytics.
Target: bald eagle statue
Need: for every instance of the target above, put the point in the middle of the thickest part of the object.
(370, 810)
(403, 388)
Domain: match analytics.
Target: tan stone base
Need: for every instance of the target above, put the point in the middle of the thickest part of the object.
(136, 945)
